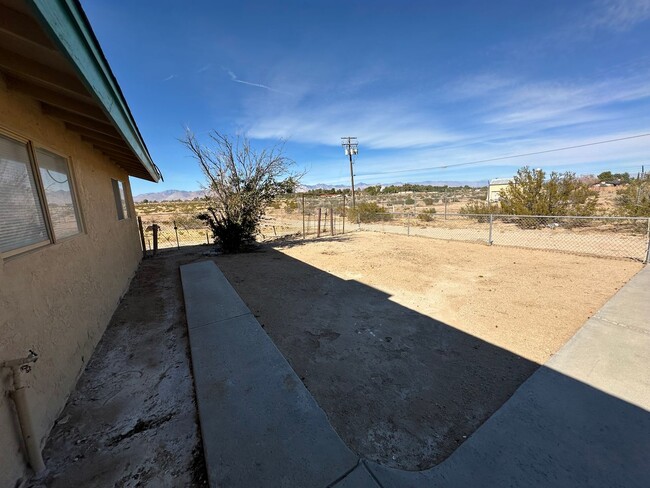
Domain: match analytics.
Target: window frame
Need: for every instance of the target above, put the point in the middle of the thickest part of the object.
(31, 146)
(73, 192)
(115, 185)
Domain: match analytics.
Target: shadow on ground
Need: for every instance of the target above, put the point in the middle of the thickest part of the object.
(400, 388)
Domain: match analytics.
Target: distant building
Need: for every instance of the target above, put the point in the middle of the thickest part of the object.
(495, 187)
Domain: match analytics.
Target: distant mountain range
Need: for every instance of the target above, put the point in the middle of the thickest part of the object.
(168, 195)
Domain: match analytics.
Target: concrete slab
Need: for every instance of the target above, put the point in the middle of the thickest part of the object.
(213, 299)
(260, 425)
(614, 359)
(631, 308)
(360, 477)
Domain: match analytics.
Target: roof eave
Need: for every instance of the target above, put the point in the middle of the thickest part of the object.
(68, 26)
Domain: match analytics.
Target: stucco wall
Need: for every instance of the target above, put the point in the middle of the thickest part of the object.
(57, 300)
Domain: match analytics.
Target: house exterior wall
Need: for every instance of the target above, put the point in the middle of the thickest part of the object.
(493, 191)
(58, 299)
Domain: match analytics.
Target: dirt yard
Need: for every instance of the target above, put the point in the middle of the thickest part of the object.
(409, 344)
(132, 419)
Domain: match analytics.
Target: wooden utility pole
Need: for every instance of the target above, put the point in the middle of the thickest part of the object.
(351, 148)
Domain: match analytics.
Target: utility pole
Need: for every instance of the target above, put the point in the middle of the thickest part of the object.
(351, 148)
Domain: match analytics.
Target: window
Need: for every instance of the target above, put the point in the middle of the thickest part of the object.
(22, 219)
(37, 203)
(120, 200)
(58, 194)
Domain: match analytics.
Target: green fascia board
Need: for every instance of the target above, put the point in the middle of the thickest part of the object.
(70, 29)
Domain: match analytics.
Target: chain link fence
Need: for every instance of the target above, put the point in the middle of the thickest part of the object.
(303, 216)
(614, 237)
(173, 231)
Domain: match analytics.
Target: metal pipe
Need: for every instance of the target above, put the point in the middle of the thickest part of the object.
(19, 396)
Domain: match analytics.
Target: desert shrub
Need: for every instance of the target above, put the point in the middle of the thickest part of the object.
(479, 210)
(290, 206)
(634, 199)
(532, 193)
(409, 201)
(368, 212)
(427, 215)
(428, 201)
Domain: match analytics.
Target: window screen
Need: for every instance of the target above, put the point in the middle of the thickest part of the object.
(61, 204)
(21, 216)
(120, 200)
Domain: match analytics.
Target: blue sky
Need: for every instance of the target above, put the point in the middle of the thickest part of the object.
(421, 84)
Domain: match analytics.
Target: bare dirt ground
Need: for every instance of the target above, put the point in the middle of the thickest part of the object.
(132, 419)
(409, 344)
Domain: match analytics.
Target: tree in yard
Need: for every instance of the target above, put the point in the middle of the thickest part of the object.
(241, 183)
(532, 193)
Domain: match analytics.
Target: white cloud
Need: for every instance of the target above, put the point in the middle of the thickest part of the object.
(234, 78)
(377, 125)
(619, 15)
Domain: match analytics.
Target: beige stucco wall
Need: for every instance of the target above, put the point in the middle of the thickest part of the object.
(57, 300)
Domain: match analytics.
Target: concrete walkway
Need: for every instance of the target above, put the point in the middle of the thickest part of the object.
(581, 420)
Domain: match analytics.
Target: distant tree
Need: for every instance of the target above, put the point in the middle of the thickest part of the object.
(145, 201)
(605, 176)
(241, 182)
(634, 199)
(609, 177)
(373, 190)
(531, 193)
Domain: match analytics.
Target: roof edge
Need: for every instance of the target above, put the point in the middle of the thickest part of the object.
(69, 27)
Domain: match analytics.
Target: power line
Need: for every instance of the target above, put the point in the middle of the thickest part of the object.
(506, 157)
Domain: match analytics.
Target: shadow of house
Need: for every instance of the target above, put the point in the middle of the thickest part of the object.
(406, 390)
(399, 387)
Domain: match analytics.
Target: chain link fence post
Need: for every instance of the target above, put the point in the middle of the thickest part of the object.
(303, 215)
(408, 224)
(490, 236)
(647, 252)
(178, 246)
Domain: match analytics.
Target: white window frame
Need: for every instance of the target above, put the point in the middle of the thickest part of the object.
(42, 200)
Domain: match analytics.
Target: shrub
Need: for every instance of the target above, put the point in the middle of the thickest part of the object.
(479, 210)
(368, 212)
(290, 206)
(427, 215)
(409, 201)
